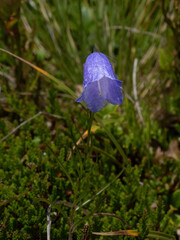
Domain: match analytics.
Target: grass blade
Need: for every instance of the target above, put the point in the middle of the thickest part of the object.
(59, 83)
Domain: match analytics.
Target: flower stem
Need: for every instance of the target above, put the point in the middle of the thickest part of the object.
(91, 117)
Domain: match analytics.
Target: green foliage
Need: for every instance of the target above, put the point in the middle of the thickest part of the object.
(176, 198)
(48, 157)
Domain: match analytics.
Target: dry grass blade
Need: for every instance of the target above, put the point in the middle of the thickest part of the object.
(4, 202)
(26, 121)
(137, 105)
(49, 223)
(135, 30)
(133, 233)
(59, 83)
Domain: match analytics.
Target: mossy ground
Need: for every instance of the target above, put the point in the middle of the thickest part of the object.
(49, 160)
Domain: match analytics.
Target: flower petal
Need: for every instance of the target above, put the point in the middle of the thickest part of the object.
(97, 66)
(111, 90)
(81, 98)
(93, 98)
(100, 84)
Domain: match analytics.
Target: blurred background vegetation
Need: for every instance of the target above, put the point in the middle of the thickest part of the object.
(49, 167)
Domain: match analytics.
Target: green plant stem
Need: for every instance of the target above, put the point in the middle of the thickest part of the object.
(121, 151)
(93, 197)
(89, 139)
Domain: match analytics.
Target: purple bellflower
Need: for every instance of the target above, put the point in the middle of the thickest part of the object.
(100, 84)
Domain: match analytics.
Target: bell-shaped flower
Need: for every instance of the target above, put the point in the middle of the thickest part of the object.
(100, 84)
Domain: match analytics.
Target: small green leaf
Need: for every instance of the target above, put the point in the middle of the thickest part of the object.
(165, 58)
(160, 235)
(176, 199)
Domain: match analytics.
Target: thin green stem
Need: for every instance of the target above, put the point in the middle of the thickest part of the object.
(100, 191)
(89, 138)
(121, 151)
(63, 168)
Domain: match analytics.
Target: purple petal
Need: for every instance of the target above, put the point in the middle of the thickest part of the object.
(100, 84)
(81, 98)
(111, 90)
(92, 97)
(97, 66)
